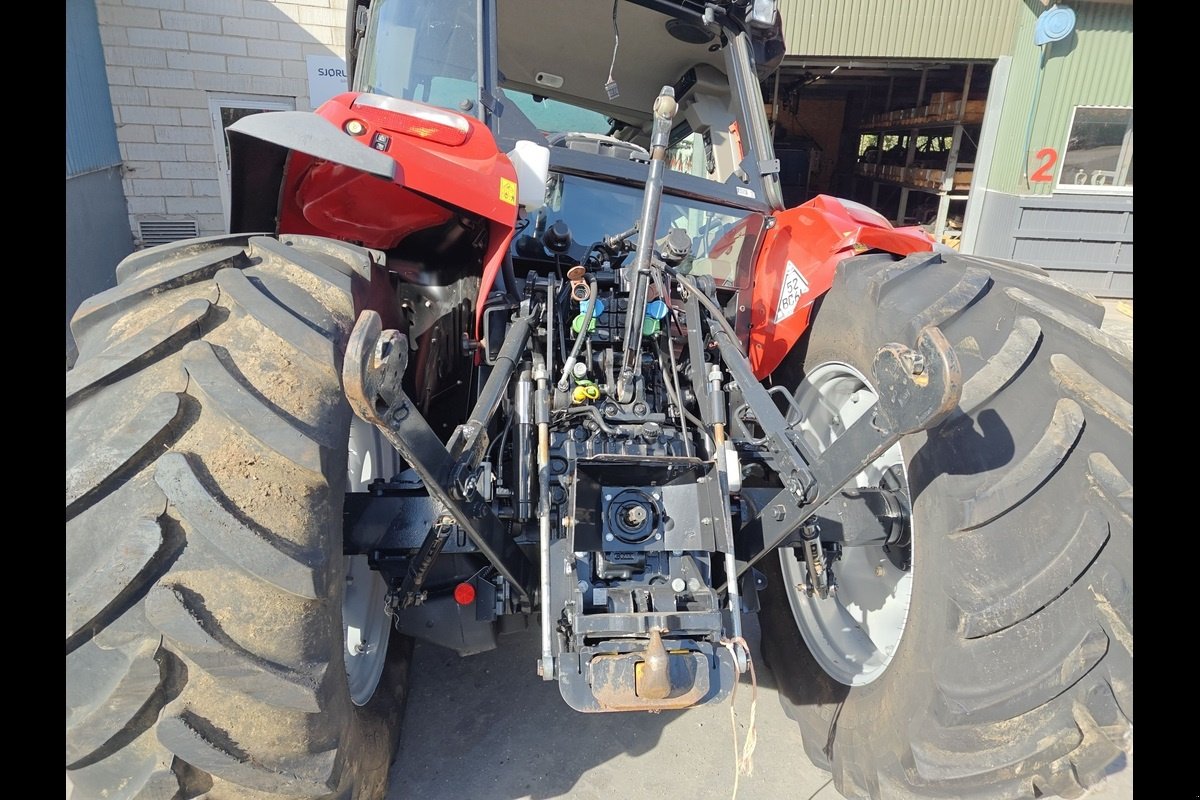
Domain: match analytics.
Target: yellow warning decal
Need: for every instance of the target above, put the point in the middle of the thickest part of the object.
(508, 191)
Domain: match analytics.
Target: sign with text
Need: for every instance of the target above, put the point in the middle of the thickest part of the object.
(326, 78)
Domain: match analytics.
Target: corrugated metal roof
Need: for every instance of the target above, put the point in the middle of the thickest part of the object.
(1092, 67)
(91, 132)
(911, 29)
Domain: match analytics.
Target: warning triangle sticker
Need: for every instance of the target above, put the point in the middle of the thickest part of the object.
(794, 287)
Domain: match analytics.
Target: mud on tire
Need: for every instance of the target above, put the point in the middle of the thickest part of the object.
(1013, 675)
(206, 463)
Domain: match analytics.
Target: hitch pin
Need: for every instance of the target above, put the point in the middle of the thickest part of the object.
(814, 558)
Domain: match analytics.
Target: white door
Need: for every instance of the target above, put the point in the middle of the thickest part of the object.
(227, 110)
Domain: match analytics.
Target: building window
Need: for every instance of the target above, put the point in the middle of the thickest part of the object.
(224, 112)
(1098, 157)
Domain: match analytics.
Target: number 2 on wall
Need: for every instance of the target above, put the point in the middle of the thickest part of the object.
(1042, 175)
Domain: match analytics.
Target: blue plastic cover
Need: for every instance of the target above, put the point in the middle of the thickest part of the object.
(583, 307)
(656, 309)
(1053, 24)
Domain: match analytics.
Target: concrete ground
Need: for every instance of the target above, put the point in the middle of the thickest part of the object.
(488, 727)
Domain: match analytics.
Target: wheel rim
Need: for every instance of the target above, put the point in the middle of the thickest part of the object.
(366, 626)
(855, 634)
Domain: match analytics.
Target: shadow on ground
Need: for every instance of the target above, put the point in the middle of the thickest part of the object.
(488, 727)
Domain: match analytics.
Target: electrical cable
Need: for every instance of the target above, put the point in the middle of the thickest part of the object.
(498, 447)
(665, 296)
(611, 86)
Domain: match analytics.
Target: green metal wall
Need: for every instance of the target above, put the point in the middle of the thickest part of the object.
(1093, 66)
(899, 29)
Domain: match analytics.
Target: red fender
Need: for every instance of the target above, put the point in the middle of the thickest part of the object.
(796, 264)
(442, 168)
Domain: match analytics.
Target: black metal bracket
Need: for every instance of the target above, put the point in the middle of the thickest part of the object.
(852, 518)
(371, 377)
(411, 587)
(917, 389)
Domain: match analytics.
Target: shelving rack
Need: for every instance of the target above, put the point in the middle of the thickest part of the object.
(942, 112)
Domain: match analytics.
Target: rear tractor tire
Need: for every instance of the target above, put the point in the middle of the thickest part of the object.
(993, 655)
(209, 608)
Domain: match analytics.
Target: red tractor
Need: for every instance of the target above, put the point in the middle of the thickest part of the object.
(519, 333)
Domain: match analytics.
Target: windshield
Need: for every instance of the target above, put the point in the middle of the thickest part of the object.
(554, 116)
(422, 51)
(550, 80)
(593, 209)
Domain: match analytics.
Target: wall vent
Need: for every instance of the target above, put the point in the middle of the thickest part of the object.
(164, 231)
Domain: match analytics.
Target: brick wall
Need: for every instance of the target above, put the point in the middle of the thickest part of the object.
(167, 58)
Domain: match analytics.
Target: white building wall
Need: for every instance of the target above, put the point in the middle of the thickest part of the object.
(166, 59)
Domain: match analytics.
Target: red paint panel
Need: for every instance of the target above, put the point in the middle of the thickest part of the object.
(439, 173)
(325, 198)
(797, 261)
(469, 176)
(433, 180)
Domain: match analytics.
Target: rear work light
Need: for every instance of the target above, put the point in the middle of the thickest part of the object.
(415, 119)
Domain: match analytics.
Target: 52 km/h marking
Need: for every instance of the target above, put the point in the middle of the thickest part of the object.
(794, 287)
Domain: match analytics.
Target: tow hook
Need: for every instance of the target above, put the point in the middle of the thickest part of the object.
(653, 675)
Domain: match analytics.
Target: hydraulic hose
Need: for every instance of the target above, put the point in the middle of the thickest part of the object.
(510, 279)
(590, 411)
(589, 315)
(713, 309)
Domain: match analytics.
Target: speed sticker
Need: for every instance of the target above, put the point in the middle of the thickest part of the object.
(794, 287)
